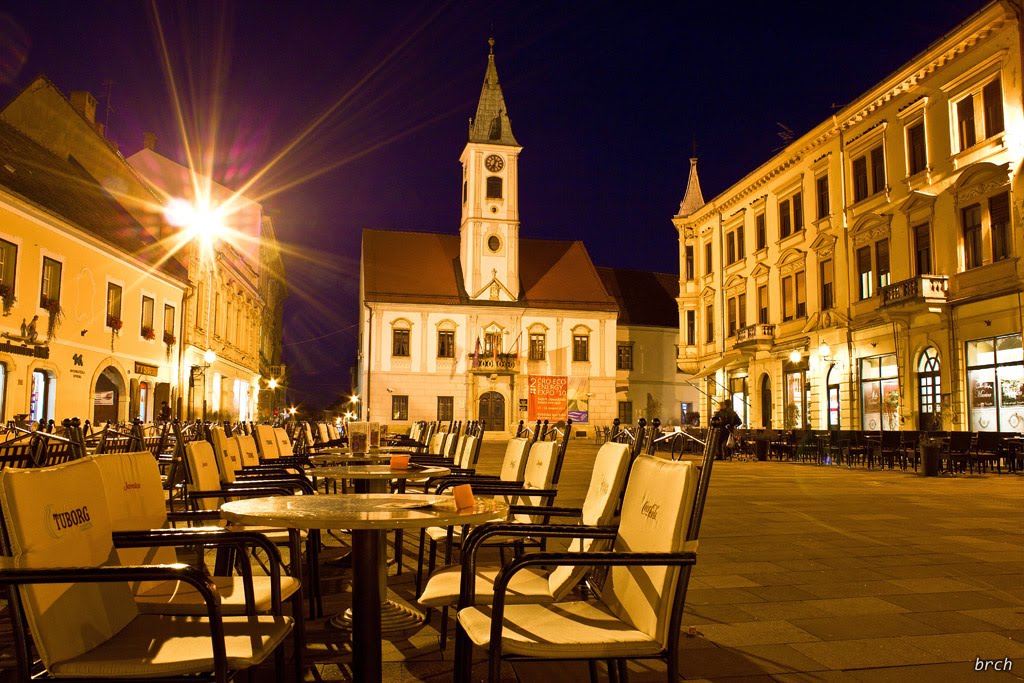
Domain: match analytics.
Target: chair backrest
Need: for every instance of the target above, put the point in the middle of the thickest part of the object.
(248, 450)
(322, 432)
(218, 437)
(284, 444)
(229, 459)
(307, 435)
(514, 464)
(448, 448)
(540, 470)
(332, 432)
(266, 439)
(203, 472)
(135, 498)
(415, 430)
(606, 481)
(58, 517)
(655, 518)
(436, 442)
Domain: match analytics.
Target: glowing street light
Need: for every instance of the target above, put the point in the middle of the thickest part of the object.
(272, 384)
(794, 356)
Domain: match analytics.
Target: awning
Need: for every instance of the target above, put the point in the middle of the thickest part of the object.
(716, 365)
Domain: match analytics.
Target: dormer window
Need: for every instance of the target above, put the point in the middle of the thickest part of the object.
(493, 187)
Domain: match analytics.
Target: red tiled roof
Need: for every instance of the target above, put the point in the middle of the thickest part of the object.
(644, 298)
(418, 267)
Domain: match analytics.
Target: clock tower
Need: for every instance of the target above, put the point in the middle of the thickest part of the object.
(490, 198)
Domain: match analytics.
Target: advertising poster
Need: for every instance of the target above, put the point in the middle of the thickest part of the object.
(983, 394)
(358, 436)
(579, 400)
(103, 398)
(548, 398)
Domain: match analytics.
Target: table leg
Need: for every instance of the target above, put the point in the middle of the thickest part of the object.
(366, 598)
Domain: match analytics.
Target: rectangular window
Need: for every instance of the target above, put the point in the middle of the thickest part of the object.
(400, 342)
(148, 314)
(877, 170)
(690, 269)
(113, 301)
(624, 357)
(707, 259)
(446, 344)
(8, 263)
(625, 412)
(492, 343)
(50, 290)
(788, 300)
(709, 319)
(538, 346)
(992, 101)
(798, 211)
(730, 248)
(762, 305)
(882, 263)
(971, 218)
(865, 273)
(445, 408)
(691, 327)
(400, 407)
(741, 247)
(581, 348)
(731, 317)
(821, 190)
(965, 122)
(760, 232)
(800, 282)
(741, 306)
(860, 178)
(922, 249)
(827, 300)
(785, 219)
(999, 215)
(169, 320)
(917, 155)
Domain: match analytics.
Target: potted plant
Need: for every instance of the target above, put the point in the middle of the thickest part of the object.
(891, 410)
(115, 324)
(148, 333)
(8, 298)
(55, 316)
(169, 341)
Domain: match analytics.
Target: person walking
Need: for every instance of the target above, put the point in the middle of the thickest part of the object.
(165, 411)
(730, 421)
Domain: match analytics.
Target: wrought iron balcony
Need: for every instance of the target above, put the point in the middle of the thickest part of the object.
(923, 289)
(754, 334)
(491, 364)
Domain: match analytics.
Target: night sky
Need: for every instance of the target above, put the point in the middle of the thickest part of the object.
(606, 99)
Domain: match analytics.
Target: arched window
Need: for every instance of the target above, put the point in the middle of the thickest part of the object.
(493, 187)
(929, 389)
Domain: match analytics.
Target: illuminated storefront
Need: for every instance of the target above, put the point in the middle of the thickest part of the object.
(995, 381)
(880, 393)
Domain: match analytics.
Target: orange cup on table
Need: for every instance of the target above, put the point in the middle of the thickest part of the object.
(399, 462)
(463, 496)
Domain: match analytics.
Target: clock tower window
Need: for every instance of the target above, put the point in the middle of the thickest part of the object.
(493, 187)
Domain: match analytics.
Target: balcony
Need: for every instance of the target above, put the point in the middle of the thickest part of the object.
(760, 336)
(927, 290)
(495, 364)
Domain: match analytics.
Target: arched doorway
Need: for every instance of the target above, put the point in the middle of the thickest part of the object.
(766, 401)
(107, 396)
(44, 395)
(492, 411)
(929, 391)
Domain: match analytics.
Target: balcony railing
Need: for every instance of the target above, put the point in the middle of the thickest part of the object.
(755, 333)
(928, 289)
(501, 364)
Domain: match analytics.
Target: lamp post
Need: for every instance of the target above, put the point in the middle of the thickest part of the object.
(200, 371)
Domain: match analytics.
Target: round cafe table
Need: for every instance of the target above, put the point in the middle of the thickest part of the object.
(346, 458)
(368, 517)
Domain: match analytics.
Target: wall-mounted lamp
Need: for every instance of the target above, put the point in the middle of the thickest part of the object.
(795, 356)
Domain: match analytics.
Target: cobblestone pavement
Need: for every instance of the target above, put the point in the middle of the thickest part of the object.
(805, 573)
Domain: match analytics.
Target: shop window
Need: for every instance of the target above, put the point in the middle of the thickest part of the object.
(880, 393)
(44, 395)
(995, 381)
(794, 379)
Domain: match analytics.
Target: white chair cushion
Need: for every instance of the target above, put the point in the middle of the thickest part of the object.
(562, 629)
(442, 588)
(58, 517)
(203, 470)
(135, 498)
(466, 451)
(436, 442)
(166, 645)
(175, 597)
(514, 463)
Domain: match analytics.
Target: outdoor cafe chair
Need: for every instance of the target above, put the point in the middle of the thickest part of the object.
(80, 610)
(638, 612)
(606, 482)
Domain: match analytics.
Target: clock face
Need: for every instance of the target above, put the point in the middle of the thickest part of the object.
(494, 163)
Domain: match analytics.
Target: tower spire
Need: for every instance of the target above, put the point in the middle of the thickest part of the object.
(491, 124)
(693, 200)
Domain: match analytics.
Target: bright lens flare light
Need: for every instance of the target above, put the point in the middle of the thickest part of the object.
(199, 222)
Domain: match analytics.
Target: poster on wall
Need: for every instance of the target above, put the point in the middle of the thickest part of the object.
(548, 398)
(1011, 392)
(982, 394)
(103, 398)
(578, 396)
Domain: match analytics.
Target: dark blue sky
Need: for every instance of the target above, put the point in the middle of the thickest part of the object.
(606, 99)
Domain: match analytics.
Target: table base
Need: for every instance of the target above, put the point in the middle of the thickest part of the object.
(394, 618)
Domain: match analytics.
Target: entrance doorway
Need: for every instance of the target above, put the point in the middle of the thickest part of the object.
(492, 411)
(107, 396)
(766, 401)
(44, 394)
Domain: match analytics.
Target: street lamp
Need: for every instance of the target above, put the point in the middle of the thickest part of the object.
(200, 371)
(272, 385)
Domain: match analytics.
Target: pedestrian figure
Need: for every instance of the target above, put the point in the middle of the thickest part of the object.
(730, 421)
(165, 411)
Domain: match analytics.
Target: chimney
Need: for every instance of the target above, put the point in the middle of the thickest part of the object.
(149, 141)
(85, 104)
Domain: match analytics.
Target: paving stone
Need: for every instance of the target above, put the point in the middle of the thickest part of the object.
(932, 602)
(755, 633)
(950, 622)
(863, 626)
(865, 653)
(933, 585)
(930, 673)
(962, 647)
(1004, 618)
(850, 589)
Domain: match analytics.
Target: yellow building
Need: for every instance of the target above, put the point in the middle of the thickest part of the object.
(86, 296)
(869, 275)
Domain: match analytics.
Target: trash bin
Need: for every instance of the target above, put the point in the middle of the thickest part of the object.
(761, 449)
(931, 457)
